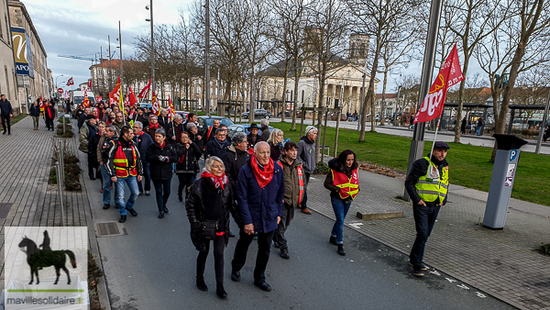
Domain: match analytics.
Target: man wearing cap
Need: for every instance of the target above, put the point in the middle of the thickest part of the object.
(253, 137)
(427, 185)
(306, 155)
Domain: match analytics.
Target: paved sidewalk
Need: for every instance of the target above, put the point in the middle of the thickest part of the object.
(26, 197)
(502, 263)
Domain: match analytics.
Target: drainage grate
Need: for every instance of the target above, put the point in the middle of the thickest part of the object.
(5, 209)
(108, 229)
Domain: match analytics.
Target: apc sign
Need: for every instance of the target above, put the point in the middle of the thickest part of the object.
(22, 52)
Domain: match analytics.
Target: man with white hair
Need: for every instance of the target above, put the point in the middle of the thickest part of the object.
(260, 193)
(174, 129)
(164, 120)
(306, 154)
(265, 129)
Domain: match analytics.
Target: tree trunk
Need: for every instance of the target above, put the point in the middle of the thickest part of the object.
(285, 82)
(297, 74)
(383, 104)
(370, 95)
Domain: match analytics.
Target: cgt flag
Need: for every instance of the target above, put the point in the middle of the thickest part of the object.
(145, 91)
(172, 111)
(114, 95)
(70, 81)
(132, 97)
(155, 105)
(86, 102)
(450, 74)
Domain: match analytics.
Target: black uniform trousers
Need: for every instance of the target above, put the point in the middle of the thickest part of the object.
(264, 247)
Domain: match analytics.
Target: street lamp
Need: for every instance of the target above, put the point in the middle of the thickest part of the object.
(56, 86)
(150, 20)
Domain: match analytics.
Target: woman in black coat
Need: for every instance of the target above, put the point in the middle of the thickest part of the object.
(187, 166)
(160, 156)
(92, 150)
(208, 206)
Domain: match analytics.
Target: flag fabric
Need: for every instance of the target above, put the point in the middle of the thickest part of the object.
(115, 94)
(132, 98)
(86, 102)
(98, 98)
(145, 91)
(41, 104)
(450, 74)
(120, 101)
(70, 81)
(172, 111)
(155, 105)
(90, 83)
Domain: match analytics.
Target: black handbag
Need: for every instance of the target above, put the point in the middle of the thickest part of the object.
(209, 229)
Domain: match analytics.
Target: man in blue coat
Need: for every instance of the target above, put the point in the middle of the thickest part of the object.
(260, 193)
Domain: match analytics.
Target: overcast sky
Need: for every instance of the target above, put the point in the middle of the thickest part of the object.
(80, 28)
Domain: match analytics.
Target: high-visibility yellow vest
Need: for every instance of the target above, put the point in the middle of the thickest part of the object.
(349, 187)
(432, 186)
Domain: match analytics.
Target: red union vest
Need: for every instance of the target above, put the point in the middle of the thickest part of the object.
(123, 167)
(300, 180)
(349, 187)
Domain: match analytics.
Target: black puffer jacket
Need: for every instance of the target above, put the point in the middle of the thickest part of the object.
(188, 158)
(161, 170)
(195, 211)
(233, 161)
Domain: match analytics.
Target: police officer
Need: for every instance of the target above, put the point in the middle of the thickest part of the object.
(427, 185)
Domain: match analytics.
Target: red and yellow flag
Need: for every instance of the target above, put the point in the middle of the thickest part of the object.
(115, 94)
(172, 111)
(155, 105)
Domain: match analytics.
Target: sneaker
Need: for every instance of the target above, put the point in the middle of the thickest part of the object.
(147, 193)
(306, 211)
(421, 266)
(417, 272)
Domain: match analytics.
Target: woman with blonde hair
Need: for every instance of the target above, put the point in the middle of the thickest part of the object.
(275, 142)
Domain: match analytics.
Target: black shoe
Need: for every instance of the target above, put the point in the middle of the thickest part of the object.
(421, 266)
(263, 285)
(4, 133)
(341, 250)
(220, 291)
(417, 272)
(147, 193)
(92, 178)
(180, 197)
(332, 240)
(140, 193)
(201, 285)
(166, 210)
(161, 215)
(106, 206)
(230, 234)
(235, 276)
(284, 254)
(132, 212)
(122, 219)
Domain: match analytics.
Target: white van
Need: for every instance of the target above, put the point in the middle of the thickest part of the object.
(77, 97)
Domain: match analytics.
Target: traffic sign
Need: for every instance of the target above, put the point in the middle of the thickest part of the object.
(60, 90)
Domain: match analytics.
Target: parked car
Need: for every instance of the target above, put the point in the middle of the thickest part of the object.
(183, 114)
(205, 120)
(287, 114)
(258, 113)
(242, 128)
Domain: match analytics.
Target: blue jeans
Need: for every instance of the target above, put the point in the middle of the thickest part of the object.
(306, 182)
(478, 130)
(424, 220)
(162, 193)
(133, 186)
(340, 210)
(146, 177)
(106, 185)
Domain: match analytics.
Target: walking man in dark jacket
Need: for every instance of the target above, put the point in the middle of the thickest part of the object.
(106, 142)
(218, 146)
(306, 154)
(143, 140)
(260, 193)
(49, 115)
(427, 185)
(34, 112)
(6, 112)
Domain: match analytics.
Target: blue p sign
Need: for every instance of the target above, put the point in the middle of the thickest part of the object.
(513, 154)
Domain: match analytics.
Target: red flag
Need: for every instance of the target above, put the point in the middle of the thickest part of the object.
(133, 99)
(98, 98)
(145, 91)
(86, 102)
(172, 111)
(90, 83)
(449, 75)
(115, 94)
(155, 105)
(70, 81)
(126, 100)
(41, 104)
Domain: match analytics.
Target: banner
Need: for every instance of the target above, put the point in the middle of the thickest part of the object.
(145, 91)
(155, 105)
(22, 52)
(450, 74)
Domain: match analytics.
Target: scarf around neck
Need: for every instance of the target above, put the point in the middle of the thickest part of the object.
(214, 180)
(263, 176)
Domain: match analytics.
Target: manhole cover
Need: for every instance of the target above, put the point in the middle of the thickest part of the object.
(5, 209)
(108, 229)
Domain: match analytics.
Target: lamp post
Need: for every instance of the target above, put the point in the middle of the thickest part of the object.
(150, 19)
(56, 87)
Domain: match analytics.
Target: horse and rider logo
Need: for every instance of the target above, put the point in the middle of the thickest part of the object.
(43, 256)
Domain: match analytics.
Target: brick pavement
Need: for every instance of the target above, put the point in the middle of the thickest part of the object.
(502, 263)
(26, 156)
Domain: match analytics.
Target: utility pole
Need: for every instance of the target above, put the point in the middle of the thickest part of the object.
(152, 48)
(207, 59)
(417, 143)
(543, 124)
(110, 69)
(121, 68)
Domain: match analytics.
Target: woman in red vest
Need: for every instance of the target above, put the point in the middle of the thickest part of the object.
(343, 183)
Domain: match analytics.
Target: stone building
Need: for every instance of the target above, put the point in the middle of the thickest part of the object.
(8, 83)
(34, 79)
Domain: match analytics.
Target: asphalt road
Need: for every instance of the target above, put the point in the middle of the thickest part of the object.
(152, 266)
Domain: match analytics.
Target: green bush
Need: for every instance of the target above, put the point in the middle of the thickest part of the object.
(321, 168)
(544, 249)
(53, 176)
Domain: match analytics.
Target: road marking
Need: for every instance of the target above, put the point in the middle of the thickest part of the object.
(435, 272)
(464, 287)
(480, 295)
(450, 280)
(356, 225)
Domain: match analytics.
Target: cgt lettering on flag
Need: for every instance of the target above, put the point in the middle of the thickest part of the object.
(450, 74)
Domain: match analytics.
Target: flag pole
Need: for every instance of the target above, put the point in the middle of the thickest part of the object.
(435, 135)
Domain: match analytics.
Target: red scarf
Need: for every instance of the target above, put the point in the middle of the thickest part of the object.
(218, 182)
(262, 176)
(163, 144)
(140, 133)
(154, 126)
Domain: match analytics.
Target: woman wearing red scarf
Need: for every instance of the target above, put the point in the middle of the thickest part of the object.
(208, 206)
(160, 156)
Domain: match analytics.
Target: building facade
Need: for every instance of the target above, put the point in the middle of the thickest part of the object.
(34, 79)
(8, 83)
